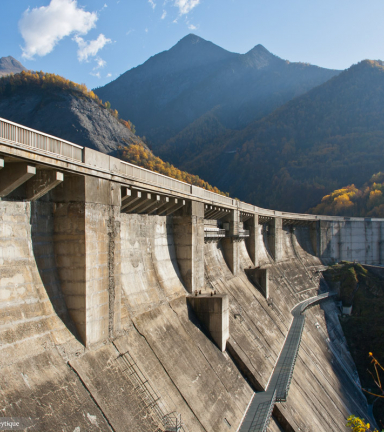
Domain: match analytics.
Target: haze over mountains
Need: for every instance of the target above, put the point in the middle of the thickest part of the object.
(197, 78)
(330, 137)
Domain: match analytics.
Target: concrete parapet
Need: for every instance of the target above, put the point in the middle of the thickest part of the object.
(259, 277)
(188, 228)
(213, 312)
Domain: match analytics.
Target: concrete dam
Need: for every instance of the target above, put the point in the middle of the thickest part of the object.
(131, 301)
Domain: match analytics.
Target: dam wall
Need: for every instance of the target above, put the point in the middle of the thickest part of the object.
(98, 331)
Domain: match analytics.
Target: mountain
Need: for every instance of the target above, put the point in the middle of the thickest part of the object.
(174, 88)
(330, 137)
(59, 107)
(9, 65)
(63, 112)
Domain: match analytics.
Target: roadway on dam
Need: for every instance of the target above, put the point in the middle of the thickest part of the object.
(261, 406)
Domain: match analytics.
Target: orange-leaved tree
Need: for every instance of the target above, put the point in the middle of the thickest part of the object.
(357, 424)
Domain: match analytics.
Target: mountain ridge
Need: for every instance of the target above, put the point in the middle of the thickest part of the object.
(174, 88)
(329, 137)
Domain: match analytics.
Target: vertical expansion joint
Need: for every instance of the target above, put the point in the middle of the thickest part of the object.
(113, 228)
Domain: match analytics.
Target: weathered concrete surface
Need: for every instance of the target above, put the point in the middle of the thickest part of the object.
(229, 244)
(33, 315)
(107, 379)
(320, 379)
(188, 368)
(252, 225)
(46, 390)
(189, 240)
(149, 271)
(213, 312)
(62, 246)
(136, 346)
(352, 240)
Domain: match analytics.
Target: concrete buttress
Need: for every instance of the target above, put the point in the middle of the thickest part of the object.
(86, 224)
(252, 225)
(275, 238)
(188, 227)
(229, 243)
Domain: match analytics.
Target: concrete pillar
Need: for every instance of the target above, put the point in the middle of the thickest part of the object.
(276, 238)
(230, 243)
(213, 313)
(251, 242)
(259, 277)
(87, 251)
(315, 237)
(188, 228)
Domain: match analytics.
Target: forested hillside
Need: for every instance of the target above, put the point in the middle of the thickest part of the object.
(196, 78)
(328, 138)
(351, 201)
(60, 107)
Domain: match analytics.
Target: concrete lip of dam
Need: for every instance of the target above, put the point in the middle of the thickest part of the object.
(100, 264)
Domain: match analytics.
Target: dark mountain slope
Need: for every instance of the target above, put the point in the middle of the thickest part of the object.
(54, 105)
(325, 139)
(176, 87)
(9, 65)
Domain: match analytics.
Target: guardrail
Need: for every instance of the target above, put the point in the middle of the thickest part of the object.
(15, 134)
(37, 140)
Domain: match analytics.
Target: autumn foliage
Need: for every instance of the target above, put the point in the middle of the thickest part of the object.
(351, 201)
(137, 154)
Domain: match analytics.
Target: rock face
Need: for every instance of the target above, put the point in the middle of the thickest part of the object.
(176, 87)
(68, 115)
(9, 65)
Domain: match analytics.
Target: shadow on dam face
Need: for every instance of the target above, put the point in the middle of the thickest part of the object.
(43, 248)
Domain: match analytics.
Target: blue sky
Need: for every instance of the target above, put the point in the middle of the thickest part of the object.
(94, 41)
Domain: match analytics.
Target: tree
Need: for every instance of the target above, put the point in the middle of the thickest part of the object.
(355, 423)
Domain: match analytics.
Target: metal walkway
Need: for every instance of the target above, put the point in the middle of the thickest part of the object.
(260, 409)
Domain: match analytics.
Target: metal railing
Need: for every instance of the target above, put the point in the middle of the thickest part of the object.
(214, 233)
(15, 133)
(171, 421)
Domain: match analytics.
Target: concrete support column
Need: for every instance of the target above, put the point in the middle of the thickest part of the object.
(188, 228)
(87, 251)
(315, 237)
(252, 225)
(213, 313)
(325, 235)
(276, 238)
(229, 243)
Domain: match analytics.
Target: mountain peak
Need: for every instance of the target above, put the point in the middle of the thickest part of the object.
(191, 38)
(260, 57)
(10, 65)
